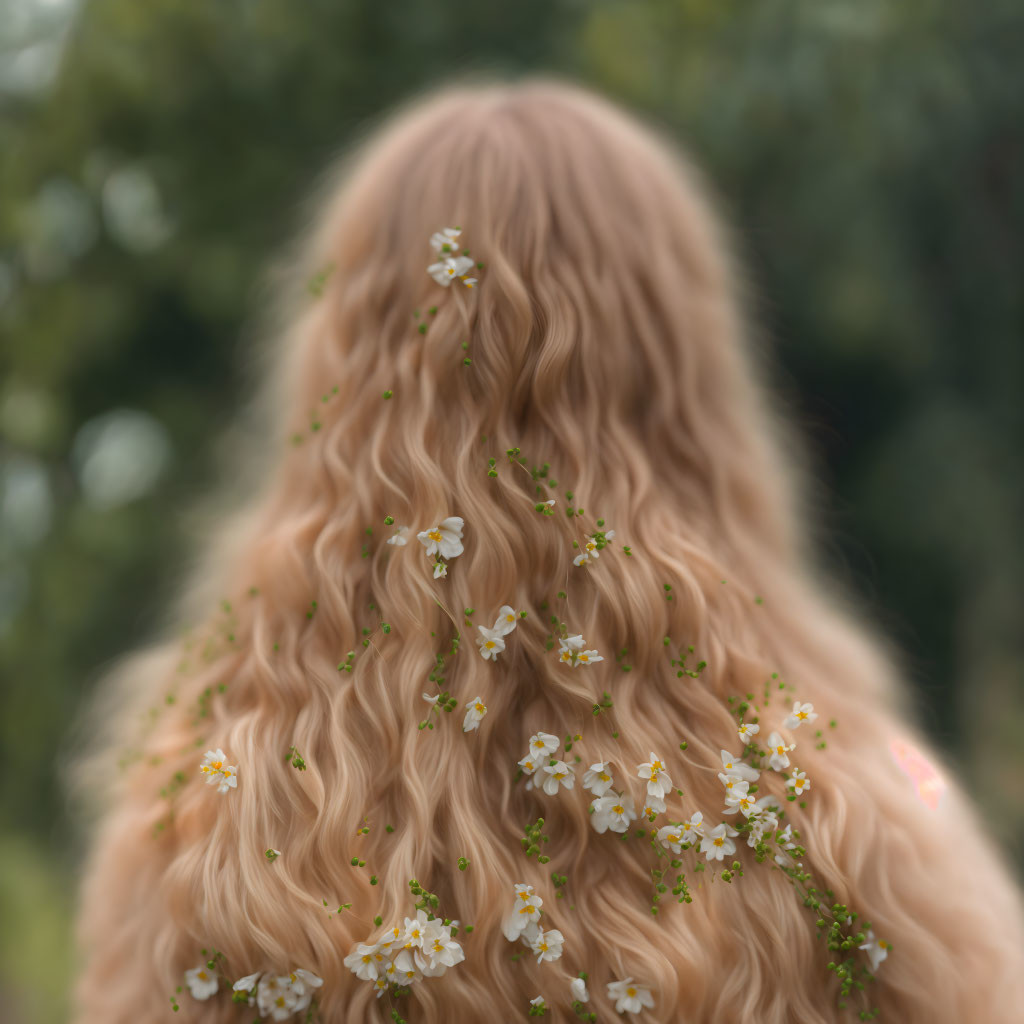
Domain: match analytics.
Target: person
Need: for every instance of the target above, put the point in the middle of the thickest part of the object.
(515, 686)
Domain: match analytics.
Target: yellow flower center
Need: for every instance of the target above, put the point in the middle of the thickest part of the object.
(480, 707)
(801, 714)
(719, 841)
(203, 975)
(489, 644)
(584, 657)
(619, 809)
(631, 992)
(434, 535)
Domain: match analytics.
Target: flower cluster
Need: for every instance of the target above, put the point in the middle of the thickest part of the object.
(424, 946)
(450, 264)
(540, 757)
(491, 641)
(218, 772)
(278, 996)
(591, 547)
(522, 923)
(571, 652)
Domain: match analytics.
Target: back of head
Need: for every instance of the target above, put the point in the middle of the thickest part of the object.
(594, 378)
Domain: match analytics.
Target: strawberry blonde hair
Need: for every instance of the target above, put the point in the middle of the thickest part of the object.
(604, 342)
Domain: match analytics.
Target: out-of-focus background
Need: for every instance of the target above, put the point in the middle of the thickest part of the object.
(153, 157)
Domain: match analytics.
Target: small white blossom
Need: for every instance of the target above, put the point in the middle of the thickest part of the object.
(578, 991)
(559, 772)
(657, 777)
(440, 569)
(431, 700)
(446, 240)
(542, 744)
(876, 949)
(798, 782)
(717, 843)
(248, 985)
(784, 840)
(506, 620)
(588, 657)
(569, 648)
(475, 711)
(439, 950)
(671, 836)
(537, 1001)
(629, 996)
(202, 982)
(748, 730)
(547, 945)
(598, 778)
(653, 806)
(614, 811)
(739, 799)
(447, 270)
(280, 996)
(445, 538)
(778, 752)
(734, 766)
(801, 713)
(218, 772)
(761, 823)
(398, 538)
(522, 919)
(550, 503)
(693, 828)
(365, 962)
(491, 644)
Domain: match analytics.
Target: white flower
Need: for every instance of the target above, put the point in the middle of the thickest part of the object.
(748, 730)
(876, 949)
(718, 843)
(218, 773)
(248, 985)
(670, 836)
(571, 643)
(587, 552)
(415, 927)
(578, 991)
(365, 962)
(542, 744)
(629, 996)
(588, 657)
(653, 806)
(778, 751)
(598, 779)
(798, 782)
(801, 713)
(440, 569)
(439, 950)
(398, 538)
(550, 503)
(547, 945)
(734, 766)
(537, 1001)
(506, 620)
(693, 828)
(528, 765)
(476, 710)
(403, 968)
(202, 982)
(469, 282)
(491, 644)
(431, 700)
(739, 799)
(523, 917)
(445, 240)
(614, 811)
(279, 996)
(559, 772)
(445, 271)
(445, 538)
(380, 986)
(657, 777)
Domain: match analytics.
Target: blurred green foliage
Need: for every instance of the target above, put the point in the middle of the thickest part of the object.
(153, 159)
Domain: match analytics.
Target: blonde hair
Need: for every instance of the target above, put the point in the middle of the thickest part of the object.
(604, 341)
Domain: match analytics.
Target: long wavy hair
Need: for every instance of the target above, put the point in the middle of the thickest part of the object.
(603, 347)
